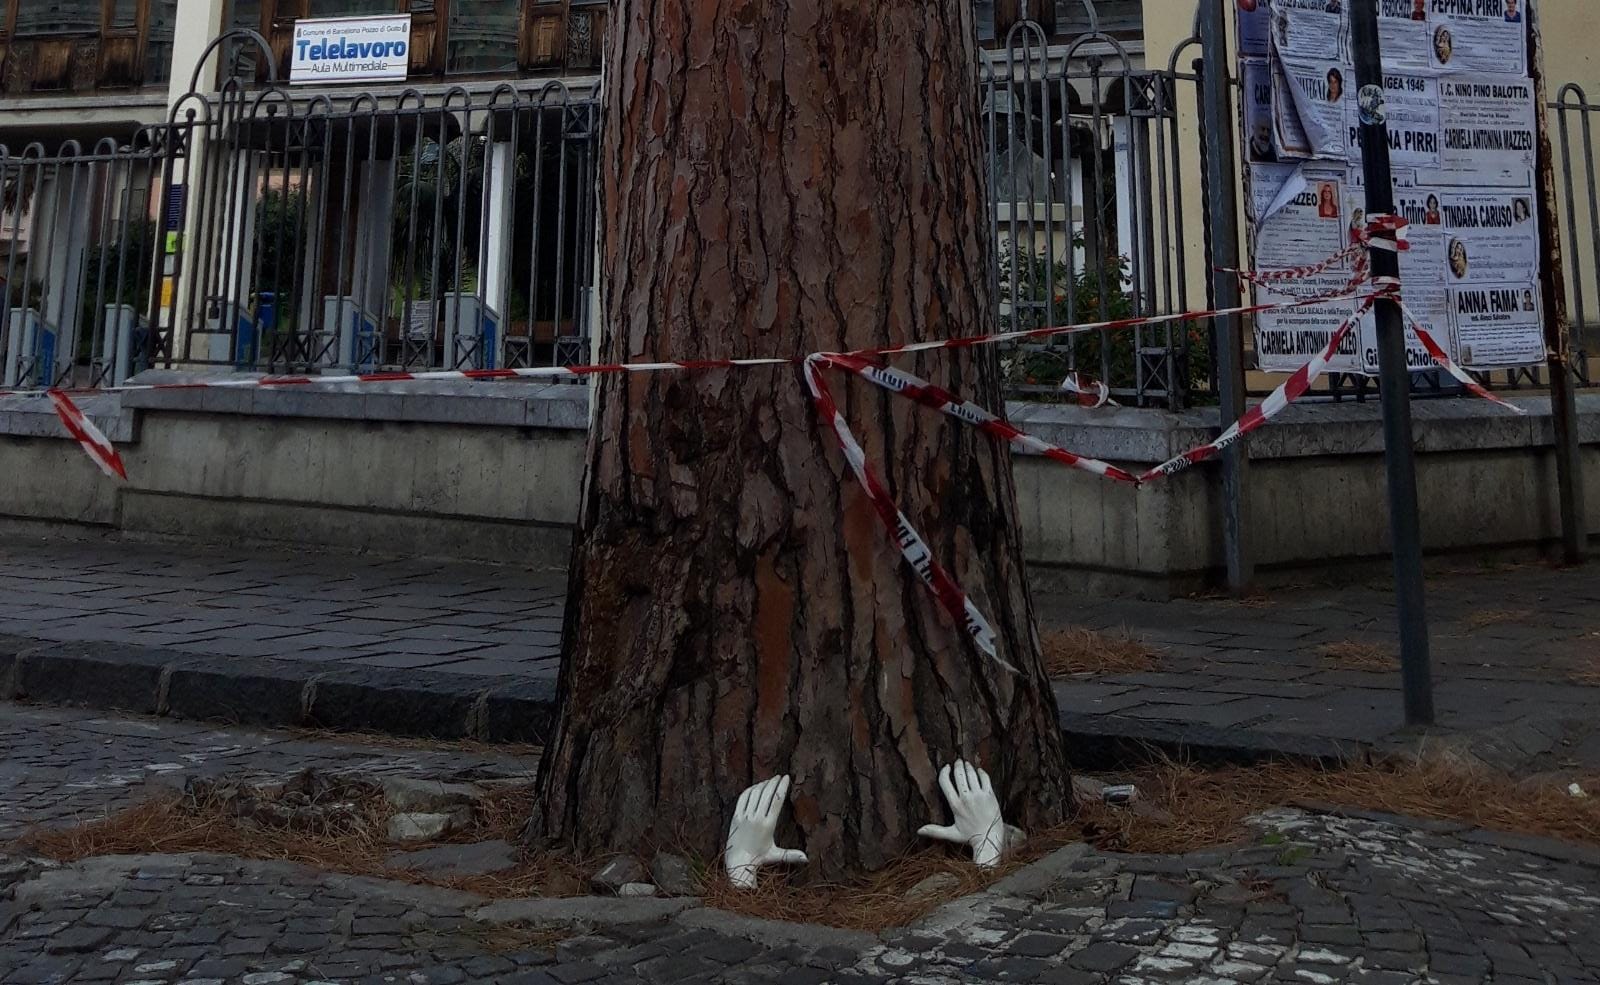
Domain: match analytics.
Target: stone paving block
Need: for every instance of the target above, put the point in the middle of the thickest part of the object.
(264, 692)
(101, 675)
(520, 711)
(420, 704)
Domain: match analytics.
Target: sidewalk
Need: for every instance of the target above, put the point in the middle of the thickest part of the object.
(275, 637)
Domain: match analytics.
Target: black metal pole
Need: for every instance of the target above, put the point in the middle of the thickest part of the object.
(1221, 187)
(1394, 381)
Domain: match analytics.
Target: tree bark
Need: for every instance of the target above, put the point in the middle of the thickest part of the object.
(782, 178)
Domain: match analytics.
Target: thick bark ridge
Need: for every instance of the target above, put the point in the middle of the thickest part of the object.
(782, 178)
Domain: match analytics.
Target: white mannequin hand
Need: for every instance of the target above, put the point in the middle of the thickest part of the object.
(750, 843)
(976, 811)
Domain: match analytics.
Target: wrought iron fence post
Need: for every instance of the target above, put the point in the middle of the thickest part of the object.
(1558, 339)
(1222, 183)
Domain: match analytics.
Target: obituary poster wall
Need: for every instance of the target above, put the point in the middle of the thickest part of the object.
(1463, 134)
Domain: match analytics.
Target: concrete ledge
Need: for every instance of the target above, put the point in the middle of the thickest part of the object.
(505, 403)
(1120, 434)
(493, 471)
(35, 417)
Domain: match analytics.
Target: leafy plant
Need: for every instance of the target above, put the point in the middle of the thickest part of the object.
(280, 227)
(438, 186)
(1091, 293)
(1088, 294)
(117, 271)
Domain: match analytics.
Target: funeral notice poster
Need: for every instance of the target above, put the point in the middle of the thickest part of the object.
(1492, 237)
(1404, 36)
(1304, 226)
(1422, 274)
(1462, 122)
(1256, 78)
(1255, 26)
(1498, 325)
(1471, 36)
(1488, 132)
(1317, 96)
(1412, 104)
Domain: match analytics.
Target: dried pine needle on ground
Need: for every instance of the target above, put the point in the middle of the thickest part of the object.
(1183, 808)
(1207, 807)
(1083, 651)
(1356, 655)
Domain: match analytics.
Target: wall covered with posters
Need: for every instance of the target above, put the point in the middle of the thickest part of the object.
(1463, 138)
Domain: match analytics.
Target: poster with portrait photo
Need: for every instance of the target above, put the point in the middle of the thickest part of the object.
(1498, 325)
(1256, 80)
(1422, 276)
(1307, 227)
(1412, 104)
(1472, 36)
(1318, 95)
(1306, 224)
(1490, 237)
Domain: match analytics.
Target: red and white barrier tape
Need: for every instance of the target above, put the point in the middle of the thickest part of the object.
(1449, 365)
(942, 400)
(912, 547)
(1291, 390)
(94, 443)
(1384, 232)
(1090, 392)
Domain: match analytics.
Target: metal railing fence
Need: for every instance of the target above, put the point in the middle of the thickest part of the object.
(406, 230)
(263, 230)
(1091, 170)
(78, 248)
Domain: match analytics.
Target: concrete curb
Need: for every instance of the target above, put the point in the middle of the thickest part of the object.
(265, 691)
(1110, 741)
(274, 692)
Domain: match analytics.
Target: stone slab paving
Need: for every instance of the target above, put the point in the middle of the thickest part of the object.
(1516, 654)
(1517, 649)
(448, 617)
(1309, 899)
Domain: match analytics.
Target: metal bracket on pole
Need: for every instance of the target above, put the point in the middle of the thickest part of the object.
(1223, 206)
(1394, 380)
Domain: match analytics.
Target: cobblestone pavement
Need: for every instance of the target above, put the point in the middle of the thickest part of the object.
(62, 765)
(1309, 899)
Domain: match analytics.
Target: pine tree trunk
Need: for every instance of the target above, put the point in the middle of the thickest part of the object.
(782, 178)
